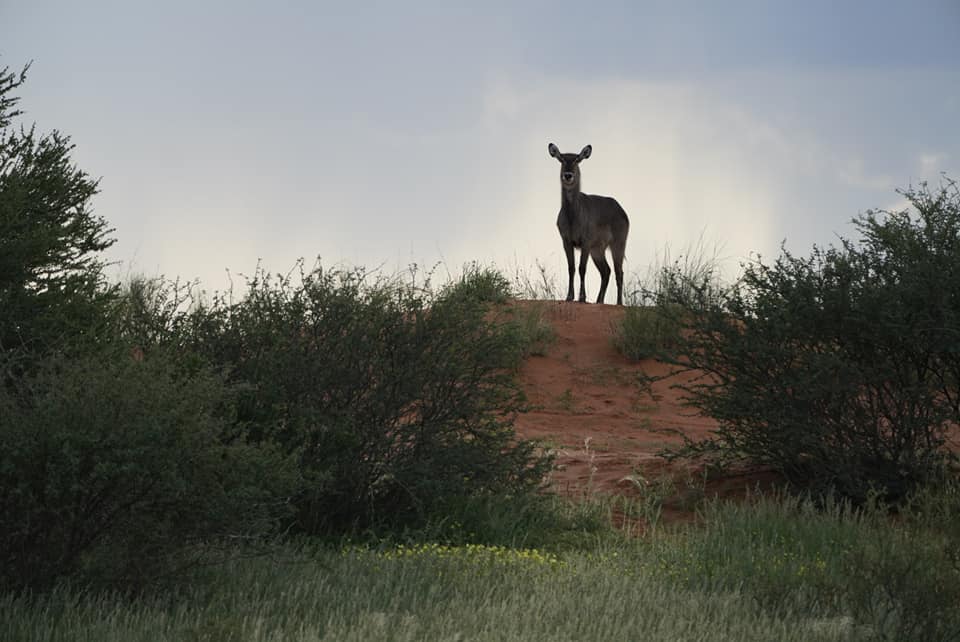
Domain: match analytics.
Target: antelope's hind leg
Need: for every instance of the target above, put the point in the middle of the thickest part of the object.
(618, 250)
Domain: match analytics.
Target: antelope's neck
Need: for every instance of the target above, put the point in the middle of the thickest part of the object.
(570, 197)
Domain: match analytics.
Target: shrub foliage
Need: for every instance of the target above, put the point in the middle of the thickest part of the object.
(111, 470)
(52, 290)
(654, 318)
(840, 369)
(395, 399)
(140, 430)
(117, 471)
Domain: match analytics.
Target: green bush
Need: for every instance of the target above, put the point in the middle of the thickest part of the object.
(656, 309)
(480, 284)
(119, 472)
(689, 280)
(395, 399)
(841, 369)
(52, 291)
(647, 332)
(905, 584)
(488, 285)
(527, 321)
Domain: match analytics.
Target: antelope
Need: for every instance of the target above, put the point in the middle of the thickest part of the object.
(592, 224)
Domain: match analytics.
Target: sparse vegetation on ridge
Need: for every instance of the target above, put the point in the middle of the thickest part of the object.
(652, 324)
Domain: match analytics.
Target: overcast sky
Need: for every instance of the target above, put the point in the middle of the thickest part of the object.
(390, 133)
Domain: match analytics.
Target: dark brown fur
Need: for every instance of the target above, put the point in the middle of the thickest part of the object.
(590, 223)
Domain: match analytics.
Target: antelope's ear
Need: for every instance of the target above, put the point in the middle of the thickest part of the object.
(553, 151)
(585, 152)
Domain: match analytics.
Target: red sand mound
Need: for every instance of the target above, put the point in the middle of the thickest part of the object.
(602, 418)
(593, 407)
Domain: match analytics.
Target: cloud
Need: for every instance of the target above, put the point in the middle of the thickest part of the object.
(931, 163)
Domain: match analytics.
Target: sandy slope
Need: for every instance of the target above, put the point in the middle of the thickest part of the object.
(591, 404)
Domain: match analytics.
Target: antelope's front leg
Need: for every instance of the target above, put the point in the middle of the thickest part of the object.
(568, 250)
(583, 273)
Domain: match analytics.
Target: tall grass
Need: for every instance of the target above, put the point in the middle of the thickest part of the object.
(774, 568)
(422, 593)
(536, 284)
(659, 299)
(647, 332)
(681, 278)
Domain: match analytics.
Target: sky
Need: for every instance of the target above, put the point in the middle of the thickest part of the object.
(384, 134)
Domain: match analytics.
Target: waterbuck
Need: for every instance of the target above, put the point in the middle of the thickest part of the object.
(591, 223)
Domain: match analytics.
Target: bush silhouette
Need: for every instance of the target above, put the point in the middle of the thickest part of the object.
(113, 470)
(119, 472)
(52, 290)
(396, 399)
(841, 369)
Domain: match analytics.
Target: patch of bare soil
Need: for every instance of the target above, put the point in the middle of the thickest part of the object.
(604, 417)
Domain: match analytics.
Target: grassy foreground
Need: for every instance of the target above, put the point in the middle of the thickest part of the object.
(772, 570)
(430, 595)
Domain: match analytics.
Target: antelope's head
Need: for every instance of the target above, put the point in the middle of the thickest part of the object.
(569, 165)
